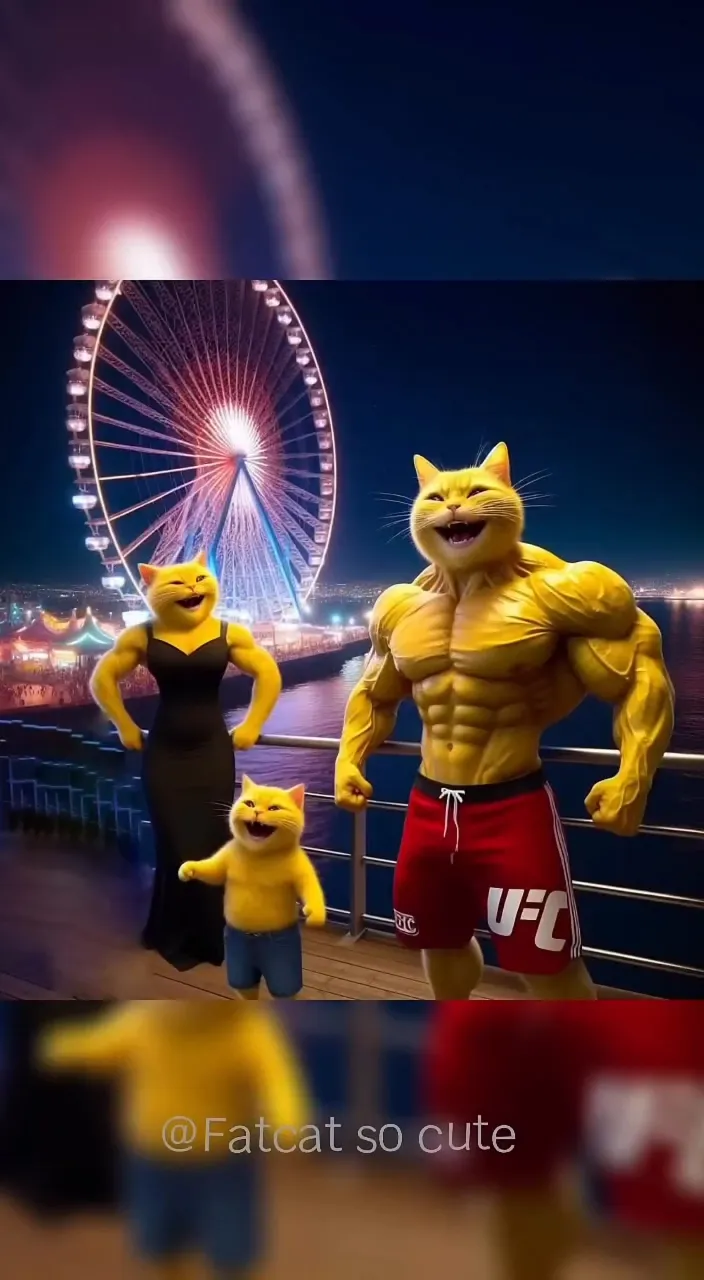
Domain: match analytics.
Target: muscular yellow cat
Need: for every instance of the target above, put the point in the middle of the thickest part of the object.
(188, 767)
(495, 642)
(184, 599)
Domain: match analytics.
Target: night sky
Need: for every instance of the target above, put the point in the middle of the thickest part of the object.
(500, 139)
(601, 385)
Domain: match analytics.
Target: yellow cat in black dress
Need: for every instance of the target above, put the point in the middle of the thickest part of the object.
(189, 766)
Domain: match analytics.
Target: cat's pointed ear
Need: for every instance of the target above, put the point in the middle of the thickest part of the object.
(425, 470)
(202, 558)
(147, 573)
(298, 795)
(247, 783)
(498, 463)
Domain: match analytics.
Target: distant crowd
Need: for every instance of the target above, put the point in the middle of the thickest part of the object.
(49, 687)
(56, 687)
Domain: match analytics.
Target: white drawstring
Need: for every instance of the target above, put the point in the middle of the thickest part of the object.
(452, 796)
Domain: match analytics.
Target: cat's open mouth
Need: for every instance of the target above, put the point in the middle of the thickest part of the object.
(459, 533)
(191, 602)
(259, 830)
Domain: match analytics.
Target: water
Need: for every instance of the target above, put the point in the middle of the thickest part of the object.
(662, 932)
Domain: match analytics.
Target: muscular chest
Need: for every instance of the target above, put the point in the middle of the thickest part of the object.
(497, 633)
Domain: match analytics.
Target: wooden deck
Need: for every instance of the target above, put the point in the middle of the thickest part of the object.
(63, 936)
(326, 1219)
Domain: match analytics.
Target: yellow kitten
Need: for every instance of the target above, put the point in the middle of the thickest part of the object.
(181, 596)
(264, 869)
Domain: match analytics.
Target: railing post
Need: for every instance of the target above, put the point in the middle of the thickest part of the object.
(358, 874)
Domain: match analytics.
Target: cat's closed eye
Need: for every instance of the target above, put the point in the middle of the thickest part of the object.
(249, 803)
(479, 489)
(275, 808)
(177, 583)
(201, 577)
(435, 497)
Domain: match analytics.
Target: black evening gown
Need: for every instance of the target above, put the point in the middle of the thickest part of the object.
(189, 781)
(57, 1132)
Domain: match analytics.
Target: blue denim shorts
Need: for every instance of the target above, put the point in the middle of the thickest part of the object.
(182, 1205)
(276, 957)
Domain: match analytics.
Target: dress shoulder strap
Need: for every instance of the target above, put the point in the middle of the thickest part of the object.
(223, 631)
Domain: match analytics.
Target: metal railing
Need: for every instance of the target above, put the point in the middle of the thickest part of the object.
(359, 920)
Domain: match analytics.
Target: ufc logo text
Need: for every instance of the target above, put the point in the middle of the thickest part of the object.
(629, 1119)
(505, 907)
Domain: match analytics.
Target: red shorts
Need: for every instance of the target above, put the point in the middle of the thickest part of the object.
(494, 853)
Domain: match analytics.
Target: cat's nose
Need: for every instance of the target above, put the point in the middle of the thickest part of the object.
(453, 506)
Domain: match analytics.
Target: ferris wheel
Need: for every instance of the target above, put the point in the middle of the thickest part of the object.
(199, 420)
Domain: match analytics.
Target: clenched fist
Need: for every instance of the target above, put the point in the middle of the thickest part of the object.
(243, 738)
(617, 804)
(351, 787)
(131, 737)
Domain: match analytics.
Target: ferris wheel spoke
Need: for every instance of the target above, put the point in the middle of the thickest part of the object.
(148, 475)
(145, 410)
(212, 357)
(140, 449)
(150, 389)
(170, 516)
(147, 502)
(303, 495)
(149, 433)
(289, 507)
(153, 359)
(177, 417)
(303, 475)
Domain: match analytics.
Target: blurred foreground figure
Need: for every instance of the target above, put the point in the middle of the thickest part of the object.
(57, 1141)
(643, 1124)
(508, 1063)
(616, 1091)
(199, 1082)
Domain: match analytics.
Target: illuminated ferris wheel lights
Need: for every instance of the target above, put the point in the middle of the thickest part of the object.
(105, 289)
(77, 417)
(113, 582)
(83, 348)
(81, 461)
(92, 316)
(84, 501)
(236, 428)
(77, 382)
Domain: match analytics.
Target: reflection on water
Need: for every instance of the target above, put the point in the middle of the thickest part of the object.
(308, 710)
(685, 653)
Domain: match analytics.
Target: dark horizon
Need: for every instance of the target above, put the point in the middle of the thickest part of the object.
(598, 384)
